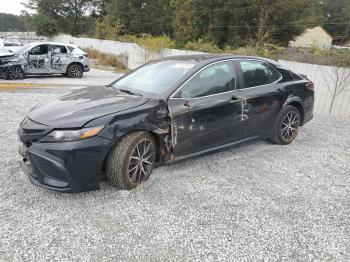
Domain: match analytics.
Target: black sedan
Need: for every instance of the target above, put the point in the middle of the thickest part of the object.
(164, 111)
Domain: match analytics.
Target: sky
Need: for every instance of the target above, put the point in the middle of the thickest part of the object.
(12, 6)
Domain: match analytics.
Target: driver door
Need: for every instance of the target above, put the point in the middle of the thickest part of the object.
(205, 112)
(39, 59)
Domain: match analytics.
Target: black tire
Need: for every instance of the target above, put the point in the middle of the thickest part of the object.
(75, 71)
(15, 73)
(123, 169)
(287, 126)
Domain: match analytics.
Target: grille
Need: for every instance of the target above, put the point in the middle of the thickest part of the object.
(47, 168)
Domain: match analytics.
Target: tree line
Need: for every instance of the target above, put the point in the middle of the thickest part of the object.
(221, 22)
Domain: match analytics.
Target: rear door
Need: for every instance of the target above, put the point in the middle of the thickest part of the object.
(262, 94)
(203, 112)
(59, 59)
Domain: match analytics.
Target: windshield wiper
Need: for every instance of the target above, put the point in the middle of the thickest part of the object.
(129, 92)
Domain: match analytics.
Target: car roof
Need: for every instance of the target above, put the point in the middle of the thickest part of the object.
(208, 58)
(51, 43)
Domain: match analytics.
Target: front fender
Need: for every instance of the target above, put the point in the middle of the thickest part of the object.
(151, 116)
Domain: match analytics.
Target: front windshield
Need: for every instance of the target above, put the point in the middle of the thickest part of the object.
(23, 49)
(155, 77)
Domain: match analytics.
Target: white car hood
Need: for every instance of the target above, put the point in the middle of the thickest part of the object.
(5, 53)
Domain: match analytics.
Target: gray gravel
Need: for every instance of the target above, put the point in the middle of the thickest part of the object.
(255, 202)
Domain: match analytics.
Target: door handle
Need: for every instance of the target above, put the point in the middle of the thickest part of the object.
(234, 99)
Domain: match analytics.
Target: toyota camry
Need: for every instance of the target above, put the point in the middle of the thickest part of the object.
(162, 112)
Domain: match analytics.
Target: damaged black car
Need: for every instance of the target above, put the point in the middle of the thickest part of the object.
(162, 112)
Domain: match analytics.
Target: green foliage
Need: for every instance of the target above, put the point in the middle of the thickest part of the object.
(187, 20)
(67, 14)
(10, 23)
(338, 17)
(152, 16)
(202, 46)
(157, 43)
(106, 30)
(45, 25)
(104, 59)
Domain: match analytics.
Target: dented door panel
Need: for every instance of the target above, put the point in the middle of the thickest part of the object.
(260, 107)
(199, 124)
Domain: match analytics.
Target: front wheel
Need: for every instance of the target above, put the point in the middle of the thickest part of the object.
(287, 126)
(15, 73)
(131, 161)
(75, 71)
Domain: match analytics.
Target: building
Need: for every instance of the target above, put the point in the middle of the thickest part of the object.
(316, 36)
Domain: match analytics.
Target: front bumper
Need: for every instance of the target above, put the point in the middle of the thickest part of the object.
(86, 68)
(66, 167)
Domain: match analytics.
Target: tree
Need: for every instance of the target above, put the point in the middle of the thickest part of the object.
(66, 15)
(187, 20)
(337, 78)
(337, 17)
(9, 22)
(45, 25)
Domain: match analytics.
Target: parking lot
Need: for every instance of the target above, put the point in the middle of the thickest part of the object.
(254, 202)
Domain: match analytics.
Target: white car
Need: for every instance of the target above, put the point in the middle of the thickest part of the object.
(45, 58)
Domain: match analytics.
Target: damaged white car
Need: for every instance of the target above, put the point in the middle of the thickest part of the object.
(44, 58)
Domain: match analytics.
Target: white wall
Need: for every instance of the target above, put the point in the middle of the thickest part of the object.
(320, 75)
(135, 53)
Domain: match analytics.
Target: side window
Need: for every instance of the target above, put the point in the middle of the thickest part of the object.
(59, 49)
(39, 50)
(71, 48)
(214, 79)
(256, 73)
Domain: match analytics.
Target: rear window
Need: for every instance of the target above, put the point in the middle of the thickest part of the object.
(258, 73)
(70, 48)
(289, 76)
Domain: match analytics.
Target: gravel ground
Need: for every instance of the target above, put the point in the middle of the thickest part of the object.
(255, 202)
(94, 77)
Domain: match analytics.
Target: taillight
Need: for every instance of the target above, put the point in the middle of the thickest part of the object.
(310, 86)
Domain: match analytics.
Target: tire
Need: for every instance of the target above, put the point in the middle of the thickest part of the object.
(287, 126)
(15, 73)
(75, 71)
(129, 163)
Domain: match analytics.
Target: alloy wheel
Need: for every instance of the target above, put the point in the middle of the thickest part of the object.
(15, 73)
(141, 161)
(75, 71)
(290, 126)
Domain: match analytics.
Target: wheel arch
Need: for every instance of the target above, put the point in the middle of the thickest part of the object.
(74, 63)
(156, 134)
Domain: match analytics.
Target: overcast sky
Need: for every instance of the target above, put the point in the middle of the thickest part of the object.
(12, 6)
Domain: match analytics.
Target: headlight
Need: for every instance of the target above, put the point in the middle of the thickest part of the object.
(72, 135)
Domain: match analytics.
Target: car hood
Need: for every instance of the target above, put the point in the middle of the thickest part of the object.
(81, 106)
(5, 54)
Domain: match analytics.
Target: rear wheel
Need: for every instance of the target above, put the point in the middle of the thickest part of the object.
(75, 71)
(15, 73)
(132, 160)
(287, 126)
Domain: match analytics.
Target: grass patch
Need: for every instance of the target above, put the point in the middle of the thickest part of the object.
(118, 62)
